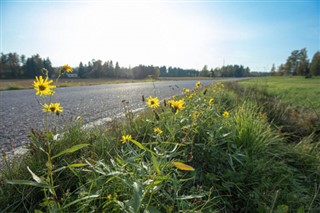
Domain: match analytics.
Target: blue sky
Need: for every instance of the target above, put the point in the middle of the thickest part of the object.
(187, 34)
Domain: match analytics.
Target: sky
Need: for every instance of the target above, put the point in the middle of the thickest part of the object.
(186, 34)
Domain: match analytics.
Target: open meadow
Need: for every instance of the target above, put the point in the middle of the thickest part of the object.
(249, 146)
(297, 90)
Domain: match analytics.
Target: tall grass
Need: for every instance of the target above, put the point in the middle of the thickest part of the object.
(217, 152)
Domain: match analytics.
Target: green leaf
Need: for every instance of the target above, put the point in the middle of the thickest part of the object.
(28, 183)
(34, 176)
(138, 144)
(188, 197)
(79, 200)
(156, 164)
(282, 209)
(151, 209)
(71, 150)
(77, 165)
(136, 197)
(300, 210)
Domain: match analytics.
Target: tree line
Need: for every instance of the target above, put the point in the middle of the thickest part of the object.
(14, 66)
(298, 64)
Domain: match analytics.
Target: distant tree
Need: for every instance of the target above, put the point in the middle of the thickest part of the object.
(137, 72)
(156, 72)
(246, 72)
(205, 72)
(117, 70)
(163, 71)
(48, 66)
(111, 69)
(273, 70)
(96, 71)
(297, 63)
(81, 70)
(4, 69)
(315, 64)
(10, 66)
(292, 63)
(23, 60)
(211, 72)
(33, 66)
(303, 63)
(232, 71)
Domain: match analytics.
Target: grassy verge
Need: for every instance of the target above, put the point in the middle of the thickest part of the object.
(212, 150)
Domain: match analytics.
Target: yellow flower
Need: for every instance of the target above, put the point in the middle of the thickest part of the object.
(177, 105)
(183, 166)
(211, 101)
(153, 102)
(198, 84)
(225, 114)
(169, 103)
(67, 68)
(190, 95)
(157, 131)
(195, 115)
(52, 107)
(126, 138)
(186, 90)
(42, 86)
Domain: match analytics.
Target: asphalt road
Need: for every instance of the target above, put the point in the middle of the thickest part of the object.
(20, 111)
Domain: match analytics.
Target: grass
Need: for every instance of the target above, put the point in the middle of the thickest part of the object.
(295, 90)
(231, 162)
(292, 104)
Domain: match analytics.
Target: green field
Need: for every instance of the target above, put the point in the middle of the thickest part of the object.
(232, 147)
(295, 90)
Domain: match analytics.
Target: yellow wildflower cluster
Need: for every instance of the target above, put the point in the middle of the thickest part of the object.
(67, 68)
(186, 90)
(225, 114)
(153, 102)
(52, 107)
(176, 105)
(126, 138)
(211, 101)
(43, 86)
(157, 131)
(195, 115)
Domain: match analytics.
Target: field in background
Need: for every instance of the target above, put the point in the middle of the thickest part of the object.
(295, 90)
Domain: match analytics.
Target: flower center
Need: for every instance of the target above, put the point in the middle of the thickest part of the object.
(152, 102)
(52, 109)
(42, 88)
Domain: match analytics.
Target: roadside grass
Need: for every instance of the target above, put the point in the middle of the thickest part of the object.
(211, 150)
